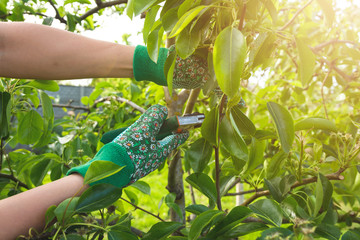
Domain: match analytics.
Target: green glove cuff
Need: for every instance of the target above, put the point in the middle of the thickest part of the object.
(145, 69)
(114, 153)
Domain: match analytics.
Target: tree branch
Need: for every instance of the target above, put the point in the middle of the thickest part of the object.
(333, 176)
(295, 16)
(142, 209)
(120, 99)
(192, 100)
(14, 179)
(101, 5)
(57, 14)
(334, 41)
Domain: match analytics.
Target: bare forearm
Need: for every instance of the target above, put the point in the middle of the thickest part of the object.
(27, 210)
(41, 52)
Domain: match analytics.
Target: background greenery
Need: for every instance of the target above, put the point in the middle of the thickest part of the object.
(294, 148)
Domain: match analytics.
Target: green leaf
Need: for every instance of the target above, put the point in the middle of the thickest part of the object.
(233, 218)
(329, 232)
(161, 230)
(273, 186)
(187, 42)
(48, 21)
(149, 21)
(99, 170)
(284, 124)
(268, 210)
(274, 166)
(4, 122)
(323, 194)
(124, 234)
(201, 221)
(185, 20)
(196, 208)
(3, 4)
(230, 51)
(72, 237)
(256, 155)
(199, 154)
(30, 128)
(264, 46)
(186, 5)
(66, 209)
(233, 142)
(39, 171)
(48, 85)
(76, 1)
(154, 42)
(141, 5)
(170, 19)
(327, 8)
(97, 197)
(210, 127)
(280, 233)
(271, 9)
(48, 111)
(245, 229)
(350, 235)
(315, 123)
(142, 187)
(50, 215)
(204, 184)
(307, 62)
(131, 196)
(241, 121)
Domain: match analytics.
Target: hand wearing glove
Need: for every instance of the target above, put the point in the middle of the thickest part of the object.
(189, 73)
(137, 149)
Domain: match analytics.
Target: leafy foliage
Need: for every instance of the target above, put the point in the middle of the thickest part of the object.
(294, 148)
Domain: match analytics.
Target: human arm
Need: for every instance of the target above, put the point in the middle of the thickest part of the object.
(40, 52)
(34, 51)
(27, 209)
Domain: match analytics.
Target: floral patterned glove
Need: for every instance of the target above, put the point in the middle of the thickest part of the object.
(137, 149)
(189, 73)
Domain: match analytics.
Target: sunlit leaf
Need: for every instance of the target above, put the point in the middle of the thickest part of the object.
(185, 20)
(307, 62)
(284, 124)
(99, 170)
(316, 123)
(230, 51)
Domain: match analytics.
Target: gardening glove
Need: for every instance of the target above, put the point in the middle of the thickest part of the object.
(137, 149)
(189, 73)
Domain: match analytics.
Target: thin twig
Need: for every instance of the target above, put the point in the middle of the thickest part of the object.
(241, 23)
(140, 208)
(101, 5)
(322, 93)
(333, 176)
(295, 16)
(347, 77)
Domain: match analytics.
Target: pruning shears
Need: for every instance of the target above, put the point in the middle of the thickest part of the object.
(176, 124)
